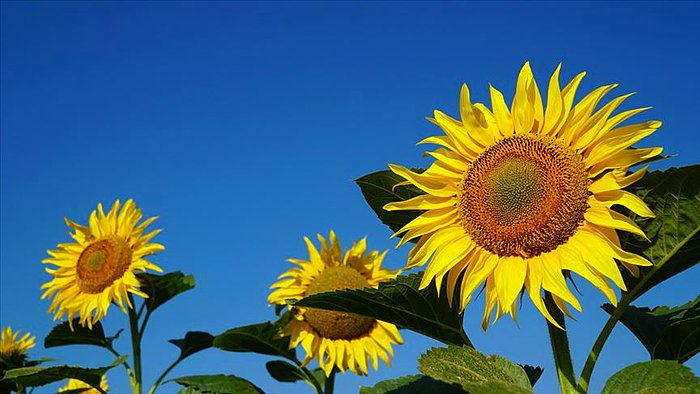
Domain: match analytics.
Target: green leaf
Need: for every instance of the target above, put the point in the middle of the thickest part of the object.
(666, 333)
(674, 196)
(216, 384)
(260, 338)
(400, 302)
(39, 376)
(61, 335)
(194, 341)
(161, 288)
(473, 371)
(653, 377)
(533, 373)
(412, 384)
(379, 188)
(283, 371)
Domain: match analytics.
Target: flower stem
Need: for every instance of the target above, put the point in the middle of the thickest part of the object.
(311, 379)
(135, 346)
(560, 347)
(330, 382)
(162, 376)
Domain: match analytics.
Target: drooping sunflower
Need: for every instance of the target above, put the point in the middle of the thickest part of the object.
(99, 267)
(336, 339)
(14, 348)
(74, 384)
(521, 196)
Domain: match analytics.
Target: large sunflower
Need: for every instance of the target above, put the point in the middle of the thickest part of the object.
(335, 338)
(13, 348)
(99, 267)
(75, 384)
(521, 196)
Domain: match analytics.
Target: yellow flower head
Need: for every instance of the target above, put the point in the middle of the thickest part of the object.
(99, 266)
(13, 347)
(336, 339)
(74, 384)
(517, 197)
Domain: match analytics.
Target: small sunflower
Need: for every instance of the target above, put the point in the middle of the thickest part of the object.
(336, 339)
(14, 348)
(99, 267)
(522, 196)
(74, 384)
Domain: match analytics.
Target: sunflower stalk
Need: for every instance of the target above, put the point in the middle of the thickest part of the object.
(330, 382)
(136, 346)
(560, 347)
(311, 379)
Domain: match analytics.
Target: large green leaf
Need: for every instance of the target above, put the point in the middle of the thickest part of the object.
(161, 288)
(400, 302)
(666, 333)
(674, 196)
(260, 338)
(412, 384)
(39, 376)
(193, 342)
(62, 335)
(216, 384)
(473, 371)
(379, 188)
(653, 377)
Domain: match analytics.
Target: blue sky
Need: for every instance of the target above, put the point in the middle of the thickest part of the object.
(243, 125)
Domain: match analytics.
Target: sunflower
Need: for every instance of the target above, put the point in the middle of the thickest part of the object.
(336, 339)
(99, 267)
(74, 384)
(521, 197)
(13, 348)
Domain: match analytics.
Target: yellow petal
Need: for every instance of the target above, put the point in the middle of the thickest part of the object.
(627, 200)
(527, 104)
(603, 216)
(533, 285)
(501, 112)
(473, 120)
(446, 257)
(616, 180)
(509, 276)
(555, 104)
(624, 159)
(426, 183)
(553, 280)
(428, 222)
(421, 202)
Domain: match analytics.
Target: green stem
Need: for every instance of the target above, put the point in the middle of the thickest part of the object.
(312, 379)
(163, 375)
(125, 363)
(625, 300)
(330, 382)
(145, 321)
(136, 346)
(560, 347)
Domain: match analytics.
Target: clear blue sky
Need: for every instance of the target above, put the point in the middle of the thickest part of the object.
(243, 125)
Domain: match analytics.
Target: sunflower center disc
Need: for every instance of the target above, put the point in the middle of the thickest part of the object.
(103, 262)
(524, 196)
(332, 324)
